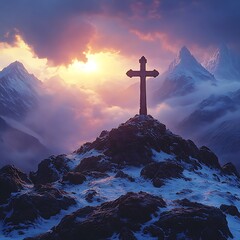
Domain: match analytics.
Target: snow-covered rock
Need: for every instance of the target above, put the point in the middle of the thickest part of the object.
(173, 181)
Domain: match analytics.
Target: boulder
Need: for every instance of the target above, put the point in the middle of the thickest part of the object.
(94, 163)
(194, 221)
(44, 201)
(51, 169)
(230, 169)
(207, 157)
(11, 180)
(230, 209)
(121, 216)
(74, 178)
(158, 171)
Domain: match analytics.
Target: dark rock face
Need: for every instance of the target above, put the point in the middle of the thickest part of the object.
(154, 231)
(50, 170)
(98, 164)
(230, 209)
(126, 234)
(194, 221)
(230, 169)
(121, 216)
(74, 178)
(132, 144)
(207, 157)
(44, 202)
(11, 180)
(162, 170)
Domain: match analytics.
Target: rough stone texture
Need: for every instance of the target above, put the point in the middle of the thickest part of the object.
(154, 231)
(50, 170)
(74, 178)
(11, 180)
(44, 201)
(91, 195)
(207, 157)
(126, 212)
(121, 174)
(96, 163)
(162, 170)
(126, 234)
(230, 209)
(132, 144)
(230, 169)
(195, 221)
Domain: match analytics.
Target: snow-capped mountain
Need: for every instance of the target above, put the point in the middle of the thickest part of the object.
(182, 77)
(18, 91)
(224, 64)
(137, 181)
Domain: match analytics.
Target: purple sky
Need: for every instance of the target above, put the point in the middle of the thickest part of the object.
(62, 30)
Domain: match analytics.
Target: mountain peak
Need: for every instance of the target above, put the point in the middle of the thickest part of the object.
(184, 52)
(223, 63)
(15, 67)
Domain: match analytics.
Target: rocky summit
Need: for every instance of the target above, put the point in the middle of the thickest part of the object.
(137, 181)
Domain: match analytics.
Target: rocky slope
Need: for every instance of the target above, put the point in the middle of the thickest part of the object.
(138, 181)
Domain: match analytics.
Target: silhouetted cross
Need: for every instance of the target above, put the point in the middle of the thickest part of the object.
(143, 73)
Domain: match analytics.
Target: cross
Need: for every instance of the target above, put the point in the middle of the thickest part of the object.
(143, 73)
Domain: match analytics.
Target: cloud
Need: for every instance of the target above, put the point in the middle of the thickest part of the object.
(62, 30)
(56, 30)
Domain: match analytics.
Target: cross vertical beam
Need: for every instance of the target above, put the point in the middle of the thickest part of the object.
(143, 73)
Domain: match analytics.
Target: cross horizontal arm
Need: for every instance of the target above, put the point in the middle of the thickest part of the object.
(132, 73)
(153, 73)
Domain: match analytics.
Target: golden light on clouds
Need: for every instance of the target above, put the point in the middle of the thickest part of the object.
(100, 67)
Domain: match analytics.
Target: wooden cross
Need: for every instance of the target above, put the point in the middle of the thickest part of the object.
(143, 73)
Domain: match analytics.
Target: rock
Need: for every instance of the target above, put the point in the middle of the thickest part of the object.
(230, 209)
(121, 174)
(90, 194)
(133, 142)
(207, 157)
(230, 169)
(95, 163)
(195, 221)
(121, 216)
(126, 234)
(50, 170)
(157, 182)
(130, 143)
(161, 170)
(11, 180)
(154, 231)
(44, 201)
(74, 178)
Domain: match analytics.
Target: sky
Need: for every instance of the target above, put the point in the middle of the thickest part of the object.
(81, 50)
